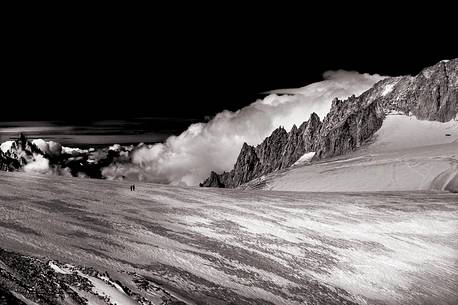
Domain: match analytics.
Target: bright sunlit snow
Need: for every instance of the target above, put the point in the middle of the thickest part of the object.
(388, 89)
(5, 146)
(208, 246)
(405, 154)
(307, 157)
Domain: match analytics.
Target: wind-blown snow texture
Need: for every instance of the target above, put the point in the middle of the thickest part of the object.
(219, 246)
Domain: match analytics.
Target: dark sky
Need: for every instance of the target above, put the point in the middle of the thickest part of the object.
(79, 69)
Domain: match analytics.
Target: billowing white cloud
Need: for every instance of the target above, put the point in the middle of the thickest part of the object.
(74, 150)
(203, 147)
(40, 165)
(50, 148)
(5, 146)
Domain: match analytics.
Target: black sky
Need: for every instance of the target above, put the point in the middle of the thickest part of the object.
(79, 68)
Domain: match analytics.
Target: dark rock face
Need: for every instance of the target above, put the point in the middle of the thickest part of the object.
(23, 151)
(19, 154)
(292, 149)
(342, 133)
(431, 95)
(245, 169)
(245, 166)
(280, 150)
(33, 279)
(8, 164)
(300, 141)
(270, 151)
(212, 181)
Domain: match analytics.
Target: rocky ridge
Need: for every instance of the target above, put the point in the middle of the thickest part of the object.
(19, 154)
(52, 157)
(430, 95)
(34, 280)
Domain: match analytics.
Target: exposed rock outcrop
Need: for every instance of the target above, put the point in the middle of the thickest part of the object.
(342, 132)
(37, 280)
(270, 151)
(8, 164)
(22, 150)
(212, 181)
(431, 95)
(19, 153)
(53, 158)
(280, 150)
(300, 141)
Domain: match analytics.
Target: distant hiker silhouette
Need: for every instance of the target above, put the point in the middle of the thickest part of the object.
(132, 187)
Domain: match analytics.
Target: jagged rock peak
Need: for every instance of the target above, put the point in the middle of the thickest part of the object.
(18, 154)
(22, 141)
(431, 95)
(213, 181)
(314, 118)
(335, 102)
(22, 150)
(279, 150)
(278, 132)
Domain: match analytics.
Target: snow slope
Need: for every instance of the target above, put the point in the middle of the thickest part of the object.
(400, 132)
(406, 154)
(220, 246)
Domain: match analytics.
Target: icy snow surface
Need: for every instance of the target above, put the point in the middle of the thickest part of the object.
(388, 89)
(305, 158)
(58, 269)
(216, 246)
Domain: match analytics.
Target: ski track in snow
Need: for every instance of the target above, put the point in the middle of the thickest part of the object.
(216, 246)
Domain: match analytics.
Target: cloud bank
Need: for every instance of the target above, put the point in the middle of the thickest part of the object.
(203, 147)
(40, 165)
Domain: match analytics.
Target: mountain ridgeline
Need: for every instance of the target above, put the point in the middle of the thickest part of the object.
(51, 157)
(430, 95)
